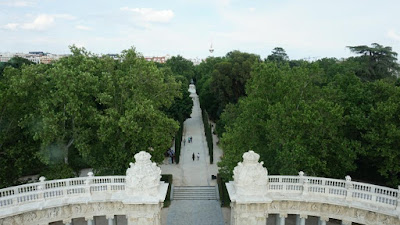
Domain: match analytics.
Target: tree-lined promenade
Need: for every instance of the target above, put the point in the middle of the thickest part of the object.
(327, 118)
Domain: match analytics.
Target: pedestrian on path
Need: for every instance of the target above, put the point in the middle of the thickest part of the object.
(184, 141)
(198, 156)
(188, 139)
(193, 156)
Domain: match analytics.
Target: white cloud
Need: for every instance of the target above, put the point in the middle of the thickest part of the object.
(64, 16)
(17, 3)
(10, 26)
(41, 22)
(151, 15)
(81, 27)
(393, 35)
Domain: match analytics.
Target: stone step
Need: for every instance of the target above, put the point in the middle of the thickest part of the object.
(194, 193)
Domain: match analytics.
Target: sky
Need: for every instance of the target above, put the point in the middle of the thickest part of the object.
(306, 29)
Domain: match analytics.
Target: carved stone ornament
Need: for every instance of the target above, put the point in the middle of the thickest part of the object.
(143, 177)
(250, 177)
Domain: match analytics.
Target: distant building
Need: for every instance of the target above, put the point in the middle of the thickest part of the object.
(37, 53)
(36, 57)
(159, 59)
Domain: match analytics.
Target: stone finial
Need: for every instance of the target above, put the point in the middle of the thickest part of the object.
(348, 178)
(90, 174)
(143, 176)
(301, 173)
(250, 157)
(250, 177)
(42, 179)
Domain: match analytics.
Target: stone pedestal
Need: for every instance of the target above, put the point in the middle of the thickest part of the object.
(248, 191)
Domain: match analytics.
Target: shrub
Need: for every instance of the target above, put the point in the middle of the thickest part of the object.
(167, 178)
(223, 193)
(208, 133)
(178, 142)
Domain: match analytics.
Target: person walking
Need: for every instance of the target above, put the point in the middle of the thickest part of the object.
(198, 156)
(184, 141)
(193, 156)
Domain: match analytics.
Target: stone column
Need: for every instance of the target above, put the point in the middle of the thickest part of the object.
(67, 221)
(89, 220)
(345, 222)
(323, 220)
(303, 219)
(110, 219)
(145, 193)
(248, 191)
(282, 217)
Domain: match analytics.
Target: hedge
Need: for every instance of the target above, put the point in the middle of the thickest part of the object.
(178, 142)
(208, 132)
(223, 192)
(167, 178)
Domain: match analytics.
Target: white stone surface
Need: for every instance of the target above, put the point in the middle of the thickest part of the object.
(302, 195)
(138, 195)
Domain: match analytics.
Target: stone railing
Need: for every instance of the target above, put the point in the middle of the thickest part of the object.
(140, 190)
(73, 191)
(345, 192)
(305, 195)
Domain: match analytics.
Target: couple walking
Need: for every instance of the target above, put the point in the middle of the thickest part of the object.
(198, 156)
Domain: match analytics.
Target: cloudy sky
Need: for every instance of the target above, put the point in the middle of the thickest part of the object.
(304, 28)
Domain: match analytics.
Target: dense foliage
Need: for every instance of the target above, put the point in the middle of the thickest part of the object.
(86, 110)
(328, 118)
(208, 133)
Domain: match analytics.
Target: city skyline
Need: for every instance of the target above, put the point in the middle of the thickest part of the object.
(305, 29)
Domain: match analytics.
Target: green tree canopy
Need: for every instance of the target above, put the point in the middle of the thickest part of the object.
(377, 61)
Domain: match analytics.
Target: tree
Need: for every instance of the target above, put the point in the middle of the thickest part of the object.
(378, 61)
(229, 78)
(286, 119)
(278, 55)
(15, 62)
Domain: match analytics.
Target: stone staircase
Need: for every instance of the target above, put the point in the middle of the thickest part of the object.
(194, 193)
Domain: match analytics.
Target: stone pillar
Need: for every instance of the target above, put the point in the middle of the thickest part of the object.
(282, 218)
(303, 219)
(323, 220)
(110, 219)
(89, 220)
(248, 191)
(67, 221)
(145, 192)
(349, 188)
(345, 222)
(297, 219)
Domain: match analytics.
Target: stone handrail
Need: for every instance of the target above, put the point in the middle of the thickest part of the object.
(81, 189)
(354, 193)
(255, 192)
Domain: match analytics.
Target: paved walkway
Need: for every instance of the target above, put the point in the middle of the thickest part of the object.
(195, 172)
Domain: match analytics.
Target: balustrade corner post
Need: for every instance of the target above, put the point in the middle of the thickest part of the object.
(304, 181)
(398, 199)
(88, 183)
(41, 187)
(349, 188)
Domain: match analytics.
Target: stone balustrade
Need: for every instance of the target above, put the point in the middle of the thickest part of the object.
(255, 195)
(139, 195)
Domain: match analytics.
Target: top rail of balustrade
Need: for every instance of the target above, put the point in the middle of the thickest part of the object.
(27, 193)
(341, 189)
